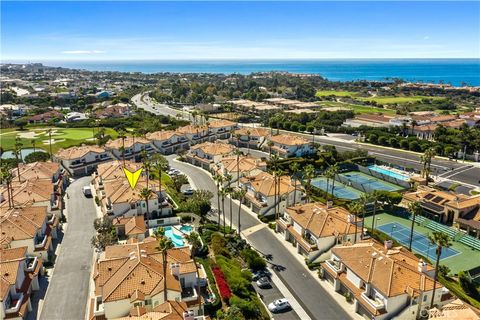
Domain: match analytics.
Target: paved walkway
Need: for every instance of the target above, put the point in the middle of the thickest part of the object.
(67, 294)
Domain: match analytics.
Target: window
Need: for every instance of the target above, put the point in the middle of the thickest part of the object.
(138, 304)
(424, 298)
(148, 302)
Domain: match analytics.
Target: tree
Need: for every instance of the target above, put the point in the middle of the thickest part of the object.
(106, 234)
(355, 208)
(218, 178)
(146, 193)
(179, 181)
(441, 240)
(17, 150)
(33, 142)
(21, 123)
(374, 196)
(294, 168)
(309, 174)
(194, 240)
(160, 165)
(240, 196)
(7, 177)
(49, 131)
(164, 244)
(333, 172)
(122, 135)
(426, 160)
(414, 208)
(364, 199)
(36, 156)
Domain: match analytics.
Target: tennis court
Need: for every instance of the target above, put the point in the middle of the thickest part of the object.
(340, 190)
(420, 242)
(366, 183)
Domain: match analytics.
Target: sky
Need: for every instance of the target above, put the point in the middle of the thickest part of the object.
(238, 30)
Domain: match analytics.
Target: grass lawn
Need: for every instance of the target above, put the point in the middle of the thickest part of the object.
(399, 100)
(61, 137)
(466, 260)
(358, 109)
(326, 93)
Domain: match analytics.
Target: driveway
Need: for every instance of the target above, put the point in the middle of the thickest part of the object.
(68, 288)
(308, 292)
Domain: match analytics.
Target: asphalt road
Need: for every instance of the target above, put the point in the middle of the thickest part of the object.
(308, 292)
(68, 289)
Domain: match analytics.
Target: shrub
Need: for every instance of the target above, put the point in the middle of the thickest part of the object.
(37, 156)
(253, 259)
(222, 284)
(467, 285)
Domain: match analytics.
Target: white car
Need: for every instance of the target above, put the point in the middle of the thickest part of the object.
(279, 305)
(87, 191)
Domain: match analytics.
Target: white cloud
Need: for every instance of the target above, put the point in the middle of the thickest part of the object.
(83, 51)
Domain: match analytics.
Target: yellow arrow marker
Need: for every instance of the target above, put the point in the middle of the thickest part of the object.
(132, 177)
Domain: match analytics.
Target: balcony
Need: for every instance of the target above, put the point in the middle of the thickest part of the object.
(335, 265)
(14, 303)
(31, 264)
(98, 308)
(51, 220)
(189, 294)
(374, 302)
(40, 242)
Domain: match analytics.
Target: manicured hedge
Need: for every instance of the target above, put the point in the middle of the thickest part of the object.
(222, 284)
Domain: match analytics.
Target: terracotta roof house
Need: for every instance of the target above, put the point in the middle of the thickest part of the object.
(261, 190)
(206, 154)
(427, 131)
(51, 171)
(83, 160)
(288, 145)
(133, 275)
(120, 110)
(245, 166)
(45, 117)
(455, 310)
(169, 310)
(111, 171)
(29, 227)
(222, 128)
(448, 207)
(315, 228)
(133, 146)
(249, 137)
(19, 275)
(383, 281)
(196, 133)
(168, 141)
(130, 227)
(253, 106)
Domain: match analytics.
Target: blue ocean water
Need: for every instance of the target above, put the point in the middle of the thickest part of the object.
(452, 71)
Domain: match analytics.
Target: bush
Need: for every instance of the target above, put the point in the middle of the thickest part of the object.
(37, 156)
(222, 284)
(253, 259)
(467, 285)
(185, 218)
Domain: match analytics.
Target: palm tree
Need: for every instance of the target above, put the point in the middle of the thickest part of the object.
(374, 196)
(426, 160)
(223, 194)
(165, 244)
(355, 208)
(17, 150)
(240, 194)
(441, 240)
(270, 145)
(414, 208)
(248, 145)
(194, 240)
(160, 165)
(229, 192)
(147, 166)
(294, 167)
(309, 175)
(238, 153)
(364, 199)
(413, 124)
(333, 172)
(159, 232)
(146, 193)
(50, 143)
(33, 142)
(219, 181)
(7, 177)
(122, 135)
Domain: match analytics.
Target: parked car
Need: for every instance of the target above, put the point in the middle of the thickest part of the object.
(174, 172)
(263, 283)
(279, 305)
(187, 192)
(261, 274)
(87, 191)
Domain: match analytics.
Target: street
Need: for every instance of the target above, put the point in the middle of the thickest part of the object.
(68, 289)
(312, 297)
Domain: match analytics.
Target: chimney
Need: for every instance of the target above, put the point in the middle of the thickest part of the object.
(175, 269)
(422, 266)
(329, 204)
(188, 315)
(388, 244)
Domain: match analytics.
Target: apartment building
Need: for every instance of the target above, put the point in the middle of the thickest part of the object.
(130, 227)
(31, 228)
(169, 141)
(129, 148)
(111, 171)
(80, 161)
(238, 167)
(132, 276)
(222, 128)
(260, 193)
(205, 154)
(287, 145)
(18, 280)
(315, 228)
(249, 137)
(196, 134)
(383, 282)
(50, 171)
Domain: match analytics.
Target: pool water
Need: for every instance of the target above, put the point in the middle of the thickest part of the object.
(186, 229)
(389, 173)
(25, 152)
(174, 235)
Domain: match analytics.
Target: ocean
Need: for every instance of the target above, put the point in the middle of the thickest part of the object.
(452, 71)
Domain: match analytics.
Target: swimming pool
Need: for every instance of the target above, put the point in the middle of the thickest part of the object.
(176, 234)
(340, 190)
(389, 173)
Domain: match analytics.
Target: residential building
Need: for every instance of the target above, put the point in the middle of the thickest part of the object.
(75, 116)
(253, 106)
(260, 193)
(371, 120)
(207, 153)
(249, 137)
(238, 167)
(50, 171)
(119, 110)
(129, 147)
(169, 141)
(455, 310)
(472, 119)
(18, 278)
(287, 145)
(222, 128)
(448, 207)
(427, 131)
(29, 227)
(130, 227)
(45, 117)
(83, 160)
(169, 310)
(196, 134)
(133, 275)
(119, 199)
(111, 171)
(383, 282)
(314, 228)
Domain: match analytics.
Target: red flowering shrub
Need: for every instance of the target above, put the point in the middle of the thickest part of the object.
(222, 284)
